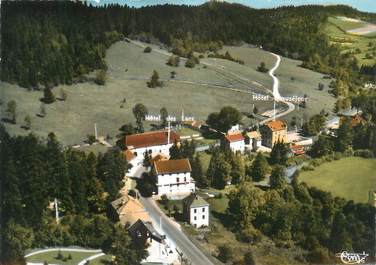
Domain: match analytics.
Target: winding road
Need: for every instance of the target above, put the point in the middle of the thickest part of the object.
(276, 95)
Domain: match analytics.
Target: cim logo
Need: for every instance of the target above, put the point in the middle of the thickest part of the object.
(352, 258)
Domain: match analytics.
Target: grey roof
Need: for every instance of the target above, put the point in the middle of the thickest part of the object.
(195, 200)
(349, 112)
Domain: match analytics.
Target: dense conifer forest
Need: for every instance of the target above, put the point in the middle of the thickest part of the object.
(36, 171)
(45, 43)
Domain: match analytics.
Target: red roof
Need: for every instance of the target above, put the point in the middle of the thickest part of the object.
(172, 166)
(276, 125)
(150, 139)
(234, 137)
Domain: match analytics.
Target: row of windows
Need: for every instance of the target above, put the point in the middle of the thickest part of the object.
(195, 218)
(195, 210)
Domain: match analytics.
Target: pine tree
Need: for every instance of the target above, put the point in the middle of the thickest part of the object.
(58, 181)
(279, 154)
(198, 172)
(259, 168)
(12, 110)
(277, 178)
(27, 122)
(77, 173)
(164, 114)
(48, 97)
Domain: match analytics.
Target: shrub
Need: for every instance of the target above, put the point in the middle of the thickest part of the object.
(364, 153)
(100, 78)
(48, 96)
(262, 68)
(225, 254)
(190, 63)
(147, 49)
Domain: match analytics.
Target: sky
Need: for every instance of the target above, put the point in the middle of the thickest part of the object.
(363, 5)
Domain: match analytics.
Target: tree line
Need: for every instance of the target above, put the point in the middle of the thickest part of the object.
(36, 171)
(42, 44)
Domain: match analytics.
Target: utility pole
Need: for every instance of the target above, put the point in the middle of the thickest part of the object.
(56, 211)
(95, 131)
(168, 132)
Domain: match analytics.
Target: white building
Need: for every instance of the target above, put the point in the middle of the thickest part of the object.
(235, 129)
(173, 177)
(196, 210)
(154, 142)
(253, 140)
(235, 142)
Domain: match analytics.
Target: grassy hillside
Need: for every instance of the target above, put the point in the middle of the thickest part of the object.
(294, 80)
(336, 29)
(199, 91)
(351, 178)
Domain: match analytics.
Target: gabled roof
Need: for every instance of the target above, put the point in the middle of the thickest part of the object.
(130, 210)
(148, 226)
(276, 125)
(234, 137)
(172, 166)
(253, 134)
(150, 139)
(195, 200)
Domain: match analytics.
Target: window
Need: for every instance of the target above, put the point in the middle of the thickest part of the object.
(195, 210)
(177, 180)
(185, 179)
(195, 218)
(203, 209)
(203, 217)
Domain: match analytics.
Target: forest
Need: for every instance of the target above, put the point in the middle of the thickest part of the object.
(34, 172)
(46, 43)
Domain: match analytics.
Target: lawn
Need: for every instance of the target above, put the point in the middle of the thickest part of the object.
(103, 260)
(351, 178)
(336, 30)
(51, 257)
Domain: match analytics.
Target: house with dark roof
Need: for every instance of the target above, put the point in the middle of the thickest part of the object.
(273, 132)
(173, 177)
(196, 210)
(144, 231)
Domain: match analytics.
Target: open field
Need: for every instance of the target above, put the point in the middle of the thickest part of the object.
(351, 178)
(198, 91)
(51, 257)
(338, 32)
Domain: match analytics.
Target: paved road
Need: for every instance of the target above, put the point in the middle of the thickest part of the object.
(173, 232)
